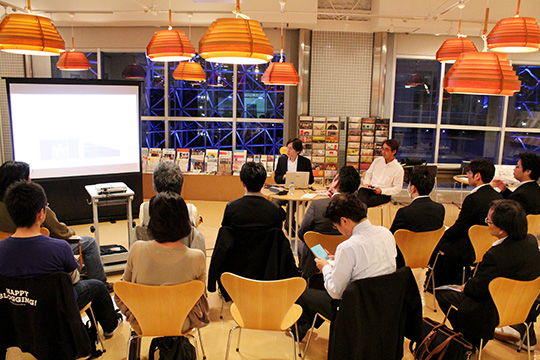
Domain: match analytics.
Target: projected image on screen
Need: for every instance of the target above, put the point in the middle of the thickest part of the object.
(75, 130)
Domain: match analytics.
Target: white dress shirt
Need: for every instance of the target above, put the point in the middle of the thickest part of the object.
(369, 252)
(292, 165)
(387, 176)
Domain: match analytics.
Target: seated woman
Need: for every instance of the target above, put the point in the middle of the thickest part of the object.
(170, 260)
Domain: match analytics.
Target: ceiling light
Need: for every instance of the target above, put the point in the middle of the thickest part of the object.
(134, 71)
(482, 73)
(281, 73)
(170, 45)
(414, 81)
(515, 35)
(73, 60)
(236, 41)
(452, 48)
(30, 34)
(190, 71)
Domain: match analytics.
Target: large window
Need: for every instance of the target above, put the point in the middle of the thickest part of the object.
(200, 115)
(469, 126)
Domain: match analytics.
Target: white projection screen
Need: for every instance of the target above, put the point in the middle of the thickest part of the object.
(75, 128)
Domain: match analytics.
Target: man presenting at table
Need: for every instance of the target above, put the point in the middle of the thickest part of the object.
(384, 177)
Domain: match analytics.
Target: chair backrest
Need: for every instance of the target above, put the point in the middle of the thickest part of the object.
(534, 224)
(160, 310)
(263, 305)
(4, 235)
(481, 240)
(43, 230)
(417, 247)
(513, 299)
(40, 315)
(328, 242)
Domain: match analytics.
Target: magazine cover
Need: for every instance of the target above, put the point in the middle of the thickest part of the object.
(239, 158)
(225, 162)
(144, 159)
(182, 159)
(154, 157)
(197, 160)
(270, 163)
(168, 155)
(212, 160)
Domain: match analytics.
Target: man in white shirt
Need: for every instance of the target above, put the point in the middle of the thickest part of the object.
(370, 251)
(384, 177)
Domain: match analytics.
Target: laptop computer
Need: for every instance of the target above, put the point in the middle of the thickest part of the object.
(300, 179)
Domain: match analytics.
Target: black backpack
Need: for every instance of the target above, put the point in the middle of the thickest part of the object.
(172, 348)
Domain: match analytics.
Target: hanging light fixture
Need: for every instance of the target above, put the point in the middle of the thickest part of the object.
(482, 73)
(73, 60)
(414, 81)
(170, 45)
(236, 41)
(189, 71)
(515, 35)
(30, 34)
(452, 48)
(134, 71)
(281, 73)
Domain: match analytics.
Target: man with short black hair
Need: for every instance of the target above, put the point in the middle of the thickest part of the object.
(422, 214)
(368, 252)
(527, 193)
(346, 181)
(384, 177)
(455, 245)
(28, 253)
(514, 255)
(252, 210)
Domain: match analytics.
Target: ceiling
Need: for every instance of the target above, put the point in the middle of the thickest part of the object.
(402, 16)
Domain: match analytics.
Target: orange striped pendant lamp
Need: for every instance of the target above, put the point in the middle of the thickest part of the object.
(189, 71)
(452, 48)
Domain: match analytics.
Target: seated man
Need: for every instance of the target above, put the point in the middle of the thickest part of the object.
(384, 177)
(346, 181)
(369, 251)
(28, 253)
(252, 210)
(12, 171)
(167, 177)
(413, 217)
(514, 255)
(292, 162)
(455, 243)
(527, 193)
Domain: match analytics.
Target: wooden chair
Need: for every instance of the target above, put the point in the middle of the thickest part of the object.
(328, 242)
(4, 234)
(534, 224)
(161, 310)
(263, 305)
(513, 300)
(482, 241)
(417, 248)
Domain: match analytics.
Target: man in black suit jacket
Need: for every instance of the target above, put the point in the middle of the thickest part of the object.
(527, 172)
(293, 161)
(346, 181)
(514, 255)
(422, 214)
(455, 243)
(252, 211)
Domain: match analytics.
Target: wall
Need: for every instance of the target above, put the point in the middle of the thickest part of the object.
(11, 65)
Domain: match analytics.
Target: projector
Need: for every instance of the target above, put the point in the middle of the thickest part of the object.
(111, 188)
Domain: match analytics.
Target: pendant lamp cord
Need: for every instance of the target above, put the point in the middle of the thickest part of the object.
(519, 5)
(282, 5)
(238, 13)
(484, 34)
(29, 7)
(170, 15)
(72, 35)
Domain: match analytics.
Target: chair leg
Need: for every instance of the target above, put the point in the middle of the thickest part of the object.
(137, 353)
(310, 334)
(238, 344)
(221, 311)
(299, 351)
(382, 215)
(294, 344)
(200, 341)
(480, 349)
(195, 346)
(229, 341)
(99, 337)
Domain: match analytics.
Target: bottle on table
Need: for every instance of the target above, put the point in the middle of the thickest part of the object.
(291, 188)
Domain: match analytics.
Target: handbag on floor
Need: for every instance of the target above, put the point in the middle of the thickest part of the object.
(440, 343)
(172, 348)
